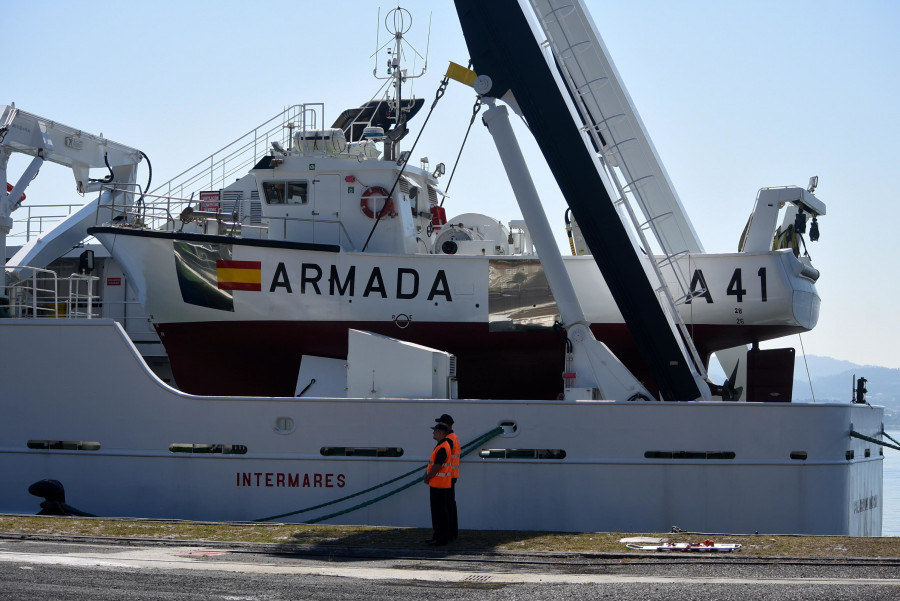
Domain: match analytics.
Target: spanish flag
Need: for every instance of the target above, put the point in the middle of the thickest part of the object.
(239, 275)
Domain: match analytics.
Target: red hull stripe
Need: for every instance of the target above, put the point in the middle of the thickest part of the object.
(239, 286)
(223, 264)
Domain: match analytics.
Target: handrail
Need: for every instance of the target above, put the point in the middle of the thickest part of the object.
(38, 214)
(242, 152)
(38, 296)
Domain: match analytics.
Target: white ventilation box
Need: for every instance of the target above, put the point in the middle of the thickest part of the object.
(384, 367)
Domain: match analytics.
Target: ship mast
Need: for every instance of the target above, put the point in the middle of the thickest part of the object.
(398, 22)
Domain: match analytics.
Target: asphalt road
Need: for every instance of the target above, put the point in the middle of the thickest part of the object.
(36, 570)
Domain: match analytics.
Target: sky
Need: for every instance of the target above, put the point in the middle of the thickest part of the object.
(735, 95)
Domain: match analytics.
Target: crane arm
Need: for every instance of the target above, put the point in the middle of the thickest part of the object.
(52, 141)
(48, 140)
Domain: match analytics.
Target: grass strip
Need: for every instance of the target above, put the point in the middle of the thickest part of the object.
(405, 538)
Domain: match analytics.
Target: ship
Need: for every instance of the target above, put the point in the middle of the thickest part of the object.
(335, 228)
(318, 309)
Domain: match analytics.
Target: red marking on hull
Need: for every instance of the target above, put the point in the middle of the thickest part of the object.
(239, 286)
(262, 358)
(257, 265)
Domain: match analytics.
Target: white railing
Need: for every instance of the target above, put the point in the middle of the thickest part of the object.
(39, 296)
(233, 160)
(34, 219)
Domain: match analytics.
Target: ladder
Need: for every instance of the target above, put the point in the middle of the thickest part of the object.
(624, 150)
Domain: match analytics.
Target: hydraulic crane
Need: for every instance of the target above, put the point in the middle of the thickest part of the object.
(48, 140)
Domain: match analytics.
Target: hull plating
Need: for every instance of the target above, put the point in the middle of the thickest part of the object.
(597, 466)
(263, 357)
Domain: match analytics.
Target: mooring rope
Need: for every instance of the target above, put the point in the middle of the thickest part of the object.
(471, 446)
(856, 434)
(894, 440)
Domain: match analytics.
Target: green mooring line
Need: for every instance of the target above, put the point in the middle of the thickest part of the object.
(856, 434)
(471, 446)
(892, 439)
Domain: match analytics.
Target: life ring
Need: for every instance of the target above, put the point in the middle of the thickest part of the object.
(376, 192)
(9, 188)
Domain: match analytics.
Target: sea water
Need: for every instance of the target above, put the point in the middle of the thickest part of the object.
(890, 517)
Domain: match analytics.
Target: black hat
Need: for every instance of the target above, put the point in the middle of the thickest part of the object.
(445, 419)
(442, 427)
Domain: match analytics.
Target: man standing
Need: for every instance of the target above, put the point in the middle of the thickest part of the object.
(454, 460)
(437, 477)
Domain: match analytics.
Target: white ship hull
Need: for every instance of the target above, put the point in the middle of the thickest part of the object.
(640, 466)
(264, 276)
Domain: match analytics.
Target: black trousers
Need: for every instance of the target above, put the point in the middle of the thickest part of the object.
(440, 513)
(454, 521)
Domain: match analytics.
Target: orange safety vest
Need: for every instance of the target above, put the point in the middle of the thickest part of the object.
(454, 441)
(442, 478)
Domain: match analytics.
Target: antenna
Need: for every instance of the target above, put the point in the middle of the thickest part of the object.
(377, 44)
(398, 22)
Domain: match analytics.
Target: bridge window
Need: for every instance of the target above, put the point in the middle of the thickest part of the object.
(286, 193)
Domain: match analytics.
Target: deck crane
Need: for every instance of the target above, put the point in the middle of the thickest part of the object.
(48, 140)
(512, 68)
(574, 99)
(620, 139)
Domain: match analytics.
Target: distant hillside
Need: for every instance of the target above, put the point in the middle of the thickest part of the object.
(833, 381)
(825, 366)
(883, 384)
